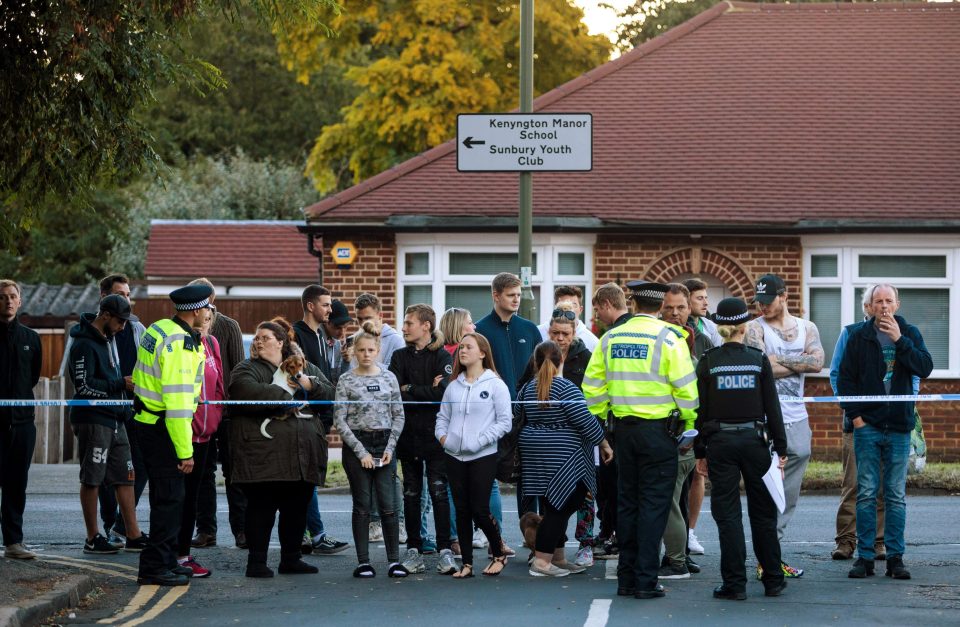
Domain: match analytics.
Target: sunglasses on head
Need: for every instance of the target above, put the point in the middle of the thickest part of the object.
(560, 314)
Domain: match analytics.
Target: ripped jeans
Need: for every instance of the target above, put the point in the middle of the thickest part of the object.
(413, 469)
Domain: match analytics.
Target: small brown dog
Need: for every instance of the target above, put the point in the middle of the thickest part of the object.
(529, 524)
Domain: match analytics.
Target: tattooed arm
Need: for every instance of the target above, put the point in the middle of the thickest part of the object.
(754, 337)
(811, 360)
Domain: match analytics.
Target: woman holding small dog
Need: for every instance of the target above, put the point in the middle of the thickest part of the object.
(474, 415)
(556, 453)
(275, 450)
(370, 423)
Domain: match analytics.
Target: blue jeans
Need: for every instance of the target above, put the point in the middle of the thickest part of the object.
(887, 453)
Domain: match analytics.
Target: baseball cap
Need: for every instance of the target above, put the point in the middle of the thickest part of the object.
(118, 306)
(769, 286)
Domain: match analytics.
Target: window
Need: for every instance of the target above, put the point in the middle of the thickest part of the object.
(835, 279)
(452, 270)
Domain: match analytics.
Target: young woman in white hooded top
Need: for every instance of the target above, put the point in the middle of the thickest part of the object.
(475, 414)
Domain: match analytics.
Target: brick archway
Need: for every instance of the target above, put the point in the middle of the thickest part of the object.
(697, 260)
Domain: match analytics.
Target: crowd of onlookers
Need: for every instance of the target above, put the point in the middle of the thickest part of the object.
(457, 406)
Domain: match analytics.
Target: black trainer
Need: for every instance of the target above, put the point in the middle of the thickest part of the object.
(723, 592)
(861, 569)
(673, 571)
(896, 569)
(692, 566)
(136, 545)
(298, 567)
(99, 546)
(179, 569)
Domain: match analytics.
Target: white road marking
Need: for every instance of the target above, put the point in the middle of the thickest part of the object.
(599, 613)
(611, 569)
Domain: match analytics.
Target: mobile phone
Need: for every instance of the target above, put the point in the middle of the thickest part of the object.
(378, 462)
(348, 342)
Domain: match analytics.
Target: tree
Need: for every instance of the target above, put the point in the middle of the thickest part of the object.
(263, 109)
(75, 72)
(230, 187)
(418, 63)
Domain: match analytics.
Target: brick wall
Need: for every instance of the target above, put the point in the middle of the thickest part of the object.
(736, 261)
(940, 421)
(374, 271)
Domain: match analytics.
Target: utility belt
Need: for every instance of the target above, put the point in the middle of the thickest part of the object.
(669, 423)
(757, 426)
(140, 408)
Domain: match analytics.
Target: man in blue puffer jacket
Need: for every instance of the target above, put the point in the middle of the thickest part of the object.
(882, 356)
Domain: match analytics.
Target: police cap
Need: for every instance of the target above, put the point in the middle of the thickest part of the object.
(191, 297)
(731, 311)
(647, 290)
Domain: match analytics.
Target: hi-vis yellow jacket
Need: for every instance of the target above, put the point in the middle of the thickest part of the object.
(642, 368)
(168, 378)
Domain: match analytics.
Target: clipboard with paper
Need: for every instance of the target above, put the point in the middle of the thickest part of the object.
(773, 479)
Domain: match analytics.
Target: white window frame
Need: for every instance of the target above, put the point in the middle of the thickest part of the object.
(849, 248)
(547, 248)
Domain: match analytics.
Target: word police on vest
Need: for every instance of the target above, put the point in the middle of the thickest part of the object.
(737, 382)
(629, 351)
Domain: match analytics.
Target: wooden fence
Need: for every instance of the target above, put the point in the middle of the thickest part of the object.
(248, 313)
(55, 441)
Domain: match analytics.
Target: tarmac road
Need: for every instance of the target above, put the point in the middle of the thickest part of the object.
(824, 594)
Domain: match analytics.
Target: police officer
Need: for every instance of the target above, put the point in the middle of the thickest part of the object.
(642, 374)
(166, 385)
(737, 396)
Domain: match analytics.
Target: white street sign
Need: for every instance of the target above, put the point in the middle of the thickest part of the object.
(524, 142)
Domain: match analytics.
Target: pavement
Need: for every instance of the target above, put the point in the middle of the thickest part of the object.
(823, 595)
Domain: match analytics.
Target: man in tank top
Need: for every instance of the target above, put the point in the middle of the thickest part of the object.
(793, 347)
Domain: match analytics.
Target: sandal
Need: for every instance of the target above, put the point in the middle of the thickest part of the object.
(397, 571)
(465, 572)
(497, 561)
(364, 571)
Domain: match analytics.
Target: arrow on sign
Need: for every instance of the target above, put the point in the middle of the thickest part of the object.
(470, 142)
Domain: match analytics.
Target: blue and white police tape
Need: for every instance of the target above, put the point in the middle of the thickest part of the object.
(293, 402)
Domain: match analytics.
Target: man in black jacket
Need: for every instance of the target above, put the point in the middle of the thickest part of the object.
(20, 363)
(423, 370)
(882, 356)
(320, 349)
(104, 447)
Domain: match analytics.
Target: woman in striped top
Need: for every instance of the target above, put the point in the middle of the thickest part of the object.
(556, 456)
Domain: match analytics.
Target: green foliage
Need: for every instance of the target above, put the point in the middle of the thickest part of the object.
(232, 187)
(75, 72)
(419, 63)
(263, 109)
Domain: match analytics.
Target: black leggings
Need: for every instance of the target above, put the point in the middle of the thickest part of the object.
(192, 484)
(264, 500)
(471, 484)
(551, 534)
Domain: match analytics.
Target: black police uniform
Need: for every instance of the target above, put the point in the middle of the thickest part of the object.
(736, 388)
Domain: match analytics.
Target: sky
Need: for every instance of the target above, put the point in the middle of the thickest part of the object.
(600, 20)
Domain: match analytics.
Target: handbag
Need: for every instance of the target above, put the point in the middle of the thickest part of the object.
(508, 464)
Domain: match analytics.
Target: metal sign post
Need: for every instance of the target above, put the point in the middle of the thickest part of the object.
(528, 304)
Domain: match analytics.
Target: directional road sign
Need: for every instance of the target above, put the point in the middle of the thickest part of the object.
(524, 142)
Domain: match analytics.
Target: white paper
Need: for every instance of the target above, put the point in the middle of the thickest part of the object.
(280, 380)
(687, 437)
(774, 482)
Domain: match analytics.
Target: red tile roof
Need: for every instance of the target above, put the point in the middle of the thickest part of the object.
(750, 114)
(271, 251)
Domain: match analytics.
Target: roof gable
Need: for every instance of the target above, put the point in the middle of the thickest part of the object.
(746, 114)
